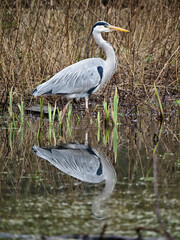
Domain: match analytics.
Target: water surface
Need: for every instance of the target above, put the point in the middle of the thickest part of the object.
(38, 197)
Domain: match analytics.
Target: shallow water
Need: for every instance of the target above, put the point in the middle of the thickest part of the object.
(122, 189)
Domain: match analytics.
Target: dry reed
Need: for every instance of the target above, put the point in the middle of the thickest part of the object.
(39, 38)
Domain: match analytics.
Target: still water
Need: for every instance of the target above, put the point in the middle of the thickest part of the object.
(77, 179)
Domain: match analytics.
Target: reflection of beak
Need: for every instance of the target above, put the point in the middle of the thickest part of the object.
(117, 28)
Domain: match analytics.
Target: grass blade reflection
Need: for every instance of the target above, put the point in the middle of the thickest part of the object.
(115, 138)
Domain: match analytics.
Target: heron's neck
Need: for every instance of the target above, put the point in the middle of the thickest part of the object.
(110, 54)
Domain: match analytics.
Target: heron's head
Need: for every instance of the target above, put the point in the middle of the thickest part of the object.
(102, 26)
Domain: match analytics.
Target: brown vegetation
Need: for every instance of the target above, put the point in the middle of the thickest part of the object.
(39, 38)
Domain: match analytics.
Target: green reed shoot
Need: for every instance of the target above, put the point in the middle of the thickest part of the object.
(38, 136)
(10, 103)
(69, 113)
(60, 122)
(50, 131)
(49, 113)
(107, 112)
(54, 112)
(78, 121)
(41, 108)
(159, 101)
(68, 120)
(115, 137)
(21, 131)
(13, 119)
(159, 137)
(59, 116)
(21, 109)
(106, 137)
(115, 107)
(99, 126)
(11, 135)
(54, 135)
(50, 121)
(69, 129)
(98, 119)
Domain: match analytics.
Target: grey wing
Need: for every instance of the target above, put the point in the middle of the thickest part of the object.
(78, 79)
(77, 163)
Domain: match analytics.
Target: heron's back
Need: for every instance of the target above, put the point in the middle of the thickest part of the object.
(75, 81)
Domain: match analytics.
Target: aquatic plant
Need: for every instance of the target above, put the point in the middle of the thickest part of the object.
(68, 120)
(11, 114)
(21, 131)
(78, 121)
(10, 109)
(115, 138)
(21, 109)
(107, 113)
(106, 137)
(159, 137)
(115, 108)
(49, 113)
(159, 101)
(59, 121)
(99, 126)
(41, 108)
(98, 119)
(50, 132)
(38, 135)
(11, 134)
(69, 130)
(69, 113)
(54, 112)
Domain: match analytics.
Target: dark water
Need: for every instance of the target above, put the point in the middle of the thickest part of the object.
(105, 177)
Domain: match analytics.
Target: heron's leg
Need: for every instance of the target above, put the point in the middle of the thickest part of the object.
(86, 136)
(87, 107)
(65, 109)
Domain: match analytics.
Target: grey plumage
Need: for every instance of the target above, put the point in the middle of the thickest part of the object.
(77, 160)
(83, 78)
(86, 164)
(74, 81)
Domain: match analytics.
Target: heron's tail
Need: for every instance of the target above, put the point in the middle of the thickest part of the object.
(35, 92)
(42, 89)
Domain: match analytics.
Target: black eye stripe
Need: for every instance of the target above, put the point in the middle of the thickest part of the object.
(105, 24)
(101, 23)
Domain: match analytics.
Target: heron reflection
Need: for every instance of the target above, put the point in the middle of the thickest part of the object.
(86, 164)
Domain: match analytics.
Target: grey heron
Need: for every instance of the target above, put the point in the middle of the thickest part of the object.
(85, 77)
(84, 163)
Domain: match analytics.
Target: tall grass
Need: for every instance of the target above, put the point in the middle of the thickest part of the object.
(38, 40)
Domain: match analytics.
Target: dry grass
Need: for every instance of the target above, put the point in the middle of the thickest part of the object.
(39, 38)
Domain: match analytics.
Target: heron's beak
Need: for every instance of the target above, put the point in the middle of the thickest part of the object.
(117, 28)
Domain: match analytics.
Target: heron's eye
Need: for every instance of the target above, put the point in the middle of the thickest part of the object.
(106, 26)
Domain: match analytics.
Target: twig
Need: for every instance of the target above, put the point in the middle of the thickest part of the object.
(165, 65)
